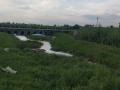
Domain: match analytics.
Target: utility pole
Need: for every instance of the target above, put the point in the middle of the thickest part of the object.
(119, 25)
(97, 23)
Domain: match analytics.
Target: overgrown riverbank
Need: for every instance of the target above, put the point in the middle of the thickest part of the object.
(40, 71)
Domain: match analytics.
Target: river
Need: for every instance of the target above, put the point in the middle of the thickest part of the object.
(46, 47)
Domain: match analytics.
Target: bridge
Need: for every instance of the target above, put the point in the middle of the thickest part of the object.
(29, 31)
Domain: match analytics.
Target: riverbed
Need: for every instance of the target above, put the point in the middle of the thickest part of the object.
(47, 47)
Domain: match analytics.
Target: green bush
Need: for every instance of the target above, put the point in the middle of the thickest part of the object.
(40, 71)
(29, 45)
(107, 36)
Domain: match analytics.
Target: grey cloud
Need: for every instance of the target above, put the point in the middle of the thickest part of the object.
(105, 19)
(60, 11)
(25, 7)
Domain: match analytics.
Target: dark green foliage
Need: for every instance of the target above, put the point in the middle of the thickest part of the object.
(102, 54)
(7, 41)
(37, 26)
(48, 38)
(29, 45)
(108, 36)
(40, 71)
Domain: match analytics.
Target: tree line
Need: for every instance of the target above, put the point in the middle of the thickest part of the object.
(41, 26)
(107, 36)
(37, 26)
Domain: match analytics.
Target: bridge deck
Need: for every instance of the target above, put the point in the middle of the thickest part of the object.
(9, 28)
(27, 31)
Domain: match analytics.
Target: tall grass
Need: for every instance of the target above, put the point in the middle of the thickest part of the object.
(108, 36)
(40, 71)
(99, 53)
(9, 41)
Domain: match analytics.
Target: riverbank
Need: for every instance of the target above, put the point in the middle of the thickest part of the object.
(42, 71)
(45, 47)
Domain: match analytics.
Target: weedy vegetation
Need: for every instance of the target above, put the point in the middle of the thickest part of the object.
(94, 66)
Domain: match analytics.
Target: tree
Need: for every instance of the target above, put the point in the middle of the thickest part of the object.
(88, 25)
(111, 26)
(76, 26)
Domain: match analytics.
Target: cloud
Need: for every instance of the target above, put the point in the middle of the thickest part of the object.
(60, 11)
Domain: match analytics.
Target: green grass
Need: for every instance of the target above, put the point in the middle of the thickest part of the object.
(107, 55)
(7, 41)
(40, 71)
(29, 45)
(107, 36)
(48, 38)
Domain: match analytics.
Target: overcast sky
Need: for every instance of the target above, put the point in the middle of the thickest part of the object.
(60, 11)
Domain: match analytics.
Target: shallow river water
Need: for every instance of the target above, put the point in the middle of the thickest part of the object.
(48, 49)
(46, 46)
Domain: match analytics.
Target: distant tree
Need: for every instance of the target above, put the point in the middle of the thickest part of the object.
(76, 26)
(111, 26)
(37, 26)
(88, 25)
(119, 25)
(54, 26)
(66, 26)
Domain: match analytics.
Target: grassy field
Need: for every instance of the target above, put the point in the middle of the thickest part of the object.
(102, 54)
(93, 67)
(9, 41)
(107, 36)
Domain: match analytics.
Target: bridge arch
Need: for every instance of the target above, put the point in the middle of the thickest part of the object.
(22, 33)
(28, 33)
(15, 32)
(40, 32)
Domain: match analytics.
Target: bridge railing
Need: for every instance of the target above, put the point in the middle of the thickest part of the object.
(9, 28)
